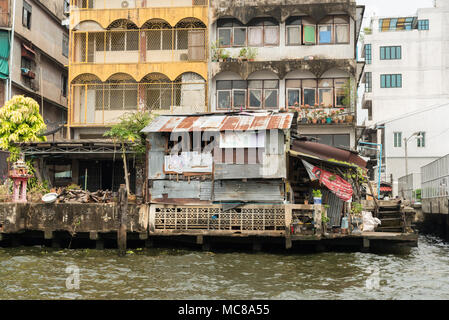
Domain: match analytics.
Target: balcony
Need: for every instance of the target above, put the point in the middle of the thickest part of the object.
(140, 46)
(103, 103)
(134, 4)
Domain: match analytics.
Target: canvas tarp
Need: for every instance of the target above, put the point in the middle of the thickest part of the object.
(4, 54)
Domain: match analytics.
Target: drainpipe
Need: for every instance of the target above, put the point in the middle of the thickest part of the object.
(11, 50)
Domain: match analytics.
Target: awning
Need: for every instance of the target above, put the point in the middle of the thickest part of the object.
(28, 49)
(4, 55)
(386, 189)
(240, 122)
(325, 152)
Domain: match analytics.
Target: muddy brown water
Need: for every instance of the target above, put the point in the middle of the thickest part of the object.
(40, 273)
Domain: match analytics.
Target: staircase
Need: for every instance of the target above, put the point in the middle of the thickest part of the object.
(395, 217)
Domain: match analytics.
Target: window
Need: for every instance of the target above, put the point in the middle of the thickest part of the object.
(231, 94)
(309, 31)
(391, 53)
(325, 31)
(398, 139)
(421, 140)
(325, 93)
(26, 15)
(423, 24)
(66, 7)
(263, 94)
(65, 45)
(263, 32)
(391, 81)
(368, 54)
(395, 24)
(64, 85)
(293, 29)
(368, 82)
(230, 33)
(309, 91)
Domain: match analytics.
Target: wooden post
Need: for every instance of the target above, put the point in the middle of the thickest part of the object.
(122, 215)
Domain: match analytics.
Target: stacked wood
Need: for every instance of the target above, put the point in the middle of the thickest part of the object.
(82, 196)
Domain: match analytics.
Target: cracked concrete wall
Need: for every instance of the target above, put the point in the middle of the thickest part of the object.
(245, 10)
(71, 217)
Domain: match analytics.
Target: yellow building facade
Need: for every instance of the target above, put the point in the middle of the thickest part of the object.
(128, 55)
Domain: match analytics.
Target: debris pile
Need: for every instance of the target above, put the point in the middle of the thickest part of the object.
(82, 196)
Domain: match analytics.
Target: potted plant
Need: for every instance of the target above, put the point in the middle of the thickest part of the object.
(317, 195)
(328, 118)
(349, 118)
(251, 53)
(216, 52)
(243, 54)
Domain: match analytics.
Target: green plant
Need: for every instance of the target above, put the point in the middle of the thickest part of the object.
(20, 121)
(243, 52)
(216, 51)
(356, 208)
(349, 94)
(251, 53)
(417, 194)
(317, 193)
(324, 218)
(73, 186)
(129, 130)
(332, 178)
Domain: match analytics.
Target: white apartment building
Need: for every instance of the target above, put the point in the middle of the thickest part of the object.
(407, 89)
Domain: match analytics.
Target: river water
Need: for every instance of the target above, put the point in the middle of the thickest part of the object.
(40, 273)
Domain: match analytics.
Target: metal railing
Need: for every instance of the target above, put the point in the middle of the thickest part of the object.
(134, 4)
(140, 46)
(105, 103)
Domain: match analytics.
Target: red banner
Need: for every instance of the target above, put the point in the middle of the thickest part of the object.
(334, 183)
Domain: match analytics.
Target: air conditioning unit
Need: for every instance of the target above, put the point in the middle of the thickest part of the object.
(125, 4)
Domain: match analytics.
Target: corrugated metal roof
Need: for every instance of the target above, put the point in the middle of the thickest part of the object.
(240, 122)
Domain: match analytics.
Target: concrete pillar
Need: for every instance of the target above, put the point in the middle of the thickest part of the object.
(366, 245)
(257, 246)
(206, 246)
(99, 244)
(149, 243)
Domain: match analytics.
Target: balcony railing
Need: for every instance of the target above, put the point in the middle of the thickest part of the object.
(134, 4)
(105, 103)
(140, 46)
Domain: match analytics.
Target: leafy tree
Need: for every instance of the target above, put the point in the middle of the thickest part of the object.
(20, 121)
(129, 130)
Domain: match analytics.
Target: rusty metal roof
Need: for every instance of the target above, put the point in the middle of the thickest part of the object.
(240, 122)
(326, 152)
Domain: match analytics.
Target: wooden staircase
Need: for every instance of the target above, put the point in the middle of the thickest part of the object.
(395, 217)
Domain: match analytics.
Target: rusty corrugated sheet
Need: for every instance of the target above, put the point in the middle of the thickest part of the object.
(326, 152)
(240, 122)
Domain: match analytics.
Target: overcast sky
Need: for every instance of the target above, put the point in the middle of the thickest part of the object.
(393, 7)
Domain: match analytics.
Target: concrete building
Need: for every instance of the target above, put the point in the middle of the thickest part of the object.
(36, 62)
(304, 56)
(407, 90)
(135, 55)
